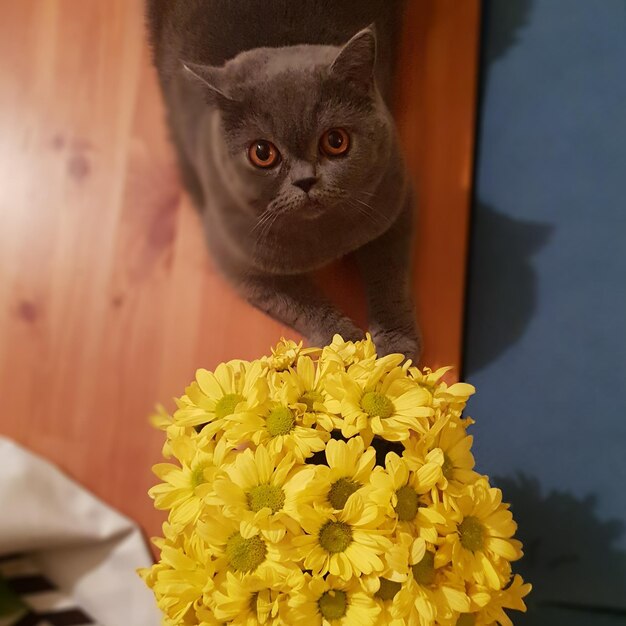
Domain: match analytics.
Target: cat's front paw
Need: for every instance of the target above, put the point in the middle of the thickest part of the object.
(398, 342)
(347, 330)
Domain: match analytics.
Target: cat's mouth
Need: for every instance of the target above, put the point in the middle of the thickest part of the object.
(311, 209)
(306, 208)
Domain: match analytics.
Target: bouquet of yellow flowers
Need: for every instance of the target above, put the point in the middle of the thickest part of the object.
(329, 487)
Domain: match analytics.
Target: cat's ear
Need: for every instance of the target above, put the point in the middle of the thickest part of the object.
(211, 78)
(356, 60)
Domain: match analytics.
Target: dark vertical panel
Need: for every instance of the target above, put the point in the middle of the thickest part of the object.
(546, 341)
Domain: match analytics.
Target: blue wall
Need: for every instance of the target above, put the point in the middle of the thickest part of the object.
(546, 327)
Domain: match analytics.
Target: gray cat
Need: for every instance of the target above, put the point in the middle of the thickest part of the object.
(286, 143)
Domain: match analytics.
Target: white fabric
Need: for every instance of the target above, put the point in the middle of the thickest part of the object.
(82, 545)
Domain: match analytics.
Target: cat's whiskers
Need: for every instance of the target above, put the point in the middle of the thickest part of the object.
(366, 210)
(370, 194)
(266, 230)
(265, 227)
(267, 220)
(265, 216)
(271, 209)
(363, 208)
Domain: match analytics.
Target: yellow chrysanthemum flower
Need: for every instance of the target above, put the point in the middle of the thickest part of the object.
(304, 385)
(333, 601)
(282, 511)
(286, 353)
(450, 445)
(183, 577)
(404, 494)
(347, 353)
(345, 543)
(382, 401)
(488, 607)
(262, 491)
(240, 548)
(251, 599)
(385, 592)
(348, 469)
(477, 536)
(453, 397)
(279, 428)
(430, 593)
(185, 486)
(234, 387)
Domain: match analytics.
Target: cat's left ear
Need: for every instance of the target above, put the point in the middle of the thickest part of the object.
(356, 60)
(211, 78)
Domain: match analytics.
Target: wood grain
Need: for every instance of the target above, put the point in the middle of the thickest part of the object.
(435, 113)
(108, 300)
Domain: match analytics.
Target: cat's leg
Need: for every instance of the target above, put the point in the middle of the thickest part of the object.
(385, 265)
(296, 302)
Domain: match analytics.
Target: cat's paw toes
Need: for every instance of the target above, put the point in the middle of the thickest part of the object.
(351, 334)
(398, 342)
(348, 332)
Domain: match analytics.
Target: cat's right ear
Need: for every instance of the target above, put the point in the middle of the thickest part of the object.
(356, 60)
(211, 78)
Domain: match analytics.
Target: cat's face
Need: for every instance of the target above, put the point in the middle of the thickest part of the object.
(304, 134)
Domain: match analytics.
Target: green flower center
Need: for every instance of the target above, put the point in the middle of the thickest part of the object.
(377, 404)
(388, 589)
(245, 555)
(227, 404)
(335, 537)
(280, 421)
(466, 619)
(472, 533)
(309, 398)
(424, 571)
(340, 491)
(448, 467)
(263, 496)
(333, 604)
(197, 476)
(408, 503)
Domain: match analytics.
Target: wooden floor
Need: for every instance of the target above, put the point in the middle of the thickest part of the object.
(108, 301)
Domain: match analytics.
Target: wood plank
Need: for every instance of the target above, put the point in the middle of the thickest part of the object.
(108, 300)
(435, 112)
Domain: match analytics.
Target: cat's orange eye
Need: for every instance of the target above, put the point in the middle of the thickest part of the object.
(335, 142)
(263, 153)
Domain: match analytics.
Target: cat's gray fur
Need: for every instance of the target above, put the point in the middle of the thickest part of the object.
(235, 71)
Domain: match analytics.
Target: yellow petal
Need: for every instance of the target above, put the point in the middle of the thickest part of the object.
(418, 549)
(208, 383)
(457, 600)
(503, 548)
(427, 476)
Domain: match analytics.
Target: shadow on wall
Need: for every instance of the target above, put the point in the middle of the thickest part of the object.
(503, 260)
(569, 553)
(578, 573)
(508, 283)
(511, 16)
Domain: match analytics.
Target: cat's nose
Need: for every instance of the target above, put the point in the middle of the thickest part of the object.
(305, 183)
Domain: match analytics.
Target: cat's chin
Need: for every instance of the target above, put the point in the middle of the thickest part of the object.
(311, 210)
